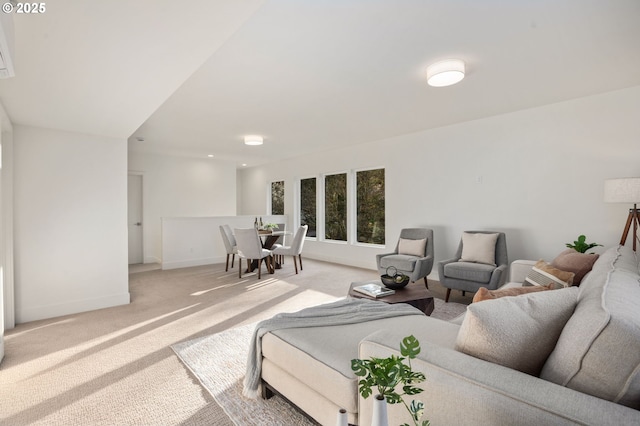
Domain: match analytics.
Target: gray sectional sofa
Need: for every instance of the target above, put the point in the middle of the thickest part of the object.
(581, 347)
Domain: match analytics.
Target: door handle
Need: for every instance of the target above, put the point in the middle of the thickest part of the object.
(138, 224)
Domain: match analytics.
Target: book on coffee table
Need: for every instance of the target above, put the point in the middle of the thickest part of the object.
(374, 290)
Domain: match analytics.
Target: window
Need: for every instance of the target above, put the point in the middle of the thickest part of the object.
(308, 205)
(277, 197)
(370, 206)
(335, 207)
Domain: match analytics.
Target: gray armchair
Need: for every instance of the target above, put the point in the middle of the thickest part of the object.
(462, 275)
(415, 265)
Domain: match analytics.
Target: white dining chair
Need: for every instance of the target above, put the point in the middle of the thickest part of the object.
(295, 249)
(250, 248)
(229, 244)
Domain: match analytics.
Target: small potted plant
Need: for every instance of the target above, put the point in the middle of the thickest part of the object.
(387, 374)
(581, 245)
(270, 226)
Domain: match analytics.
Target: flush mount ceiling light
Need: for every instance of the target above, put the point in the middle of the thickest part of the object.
(445, 73)
(253, 140)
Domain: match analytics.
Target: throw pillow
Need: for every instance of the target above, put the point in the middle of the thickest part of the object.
(479, 248)
(412, 247)
(484, 294)
(544, 274)
(517, 332)
(573, 261)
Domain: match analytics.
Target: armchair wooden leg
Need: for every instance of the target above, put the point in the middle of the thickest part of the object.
(233, 258)
(426, 284)
(226, 267)
(446, 298)
(300, 258)
(295, 263)
(240, 268)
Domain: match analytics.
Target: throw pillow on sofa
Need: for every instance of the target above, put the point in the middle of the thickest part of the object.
(485, 294)
(517, 332)
(578, 263)
(544, 274)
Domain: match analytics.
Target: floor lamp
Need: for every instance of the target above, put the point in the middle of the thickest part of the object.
(625, 190)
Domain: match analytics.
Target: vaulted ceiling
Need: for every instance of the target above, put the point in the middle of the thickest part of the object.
(192, 78)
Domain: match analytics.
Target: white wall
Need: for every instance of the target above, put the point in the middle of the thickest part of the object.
(541, 173)
(178, 187)
(7, 318)
(70, 222)
(194, 241)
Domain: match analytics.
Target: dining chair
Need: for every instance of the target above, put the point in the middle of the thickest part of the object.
(295, 249)
(250, 248)
(229, 244)
(281, 228)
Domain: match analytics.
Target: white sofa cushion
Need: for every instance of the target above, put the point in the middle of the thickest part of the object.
(518, 332)
(598, 352)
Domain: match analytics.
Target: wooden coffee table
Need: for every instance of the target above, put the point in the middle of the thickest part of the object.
(414, 294)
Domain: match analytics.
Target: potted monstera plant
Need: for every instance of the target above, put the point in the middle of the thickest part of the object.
(392, 379)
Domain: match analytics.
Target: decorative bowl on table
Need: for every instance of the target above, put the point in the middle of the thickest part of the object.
(394, 280)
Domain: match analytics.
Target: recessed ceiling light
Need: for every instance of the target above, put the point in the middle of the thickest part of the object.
(244, 164)
(210, 155)
(445, 73)
(253, 140)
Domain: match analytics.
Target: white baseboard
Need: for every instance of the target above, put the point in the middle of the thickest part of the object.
(152, 259)
(72, 307)
(341, 261)
(192, 262)
(1, 346)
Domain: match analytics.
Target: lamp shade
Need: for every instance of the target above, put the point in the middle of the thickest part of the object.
(445, 73)
(623, 190)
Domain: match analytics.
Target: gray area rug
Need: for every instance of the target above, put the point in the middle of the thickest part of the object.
(218, 361)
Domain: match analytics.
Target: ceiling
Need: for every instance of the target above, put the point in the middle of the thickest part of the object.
(193, 78)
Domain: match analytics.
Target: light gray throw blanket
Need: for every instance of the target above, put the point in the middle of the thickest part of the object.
(345, 311)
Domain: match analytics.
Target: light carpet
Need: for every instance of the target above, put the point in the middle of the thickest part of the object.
(219, 360)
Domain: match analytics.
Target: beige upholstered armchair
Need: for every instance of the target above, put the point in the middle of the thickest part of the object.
(480, 261)
(413, 255)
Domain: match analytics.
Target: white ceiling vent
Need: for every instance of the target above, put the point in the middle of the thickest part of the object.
(6, 45)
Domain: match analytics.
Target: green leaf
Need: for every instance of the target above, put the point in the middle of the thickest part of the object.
(411, 390)
(410, 347)
(365, 389)
(359, 367)
(393, 398)
(416, 409)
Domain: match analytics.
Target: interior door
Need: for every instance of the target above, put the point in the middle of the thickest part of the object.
(134, 196)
